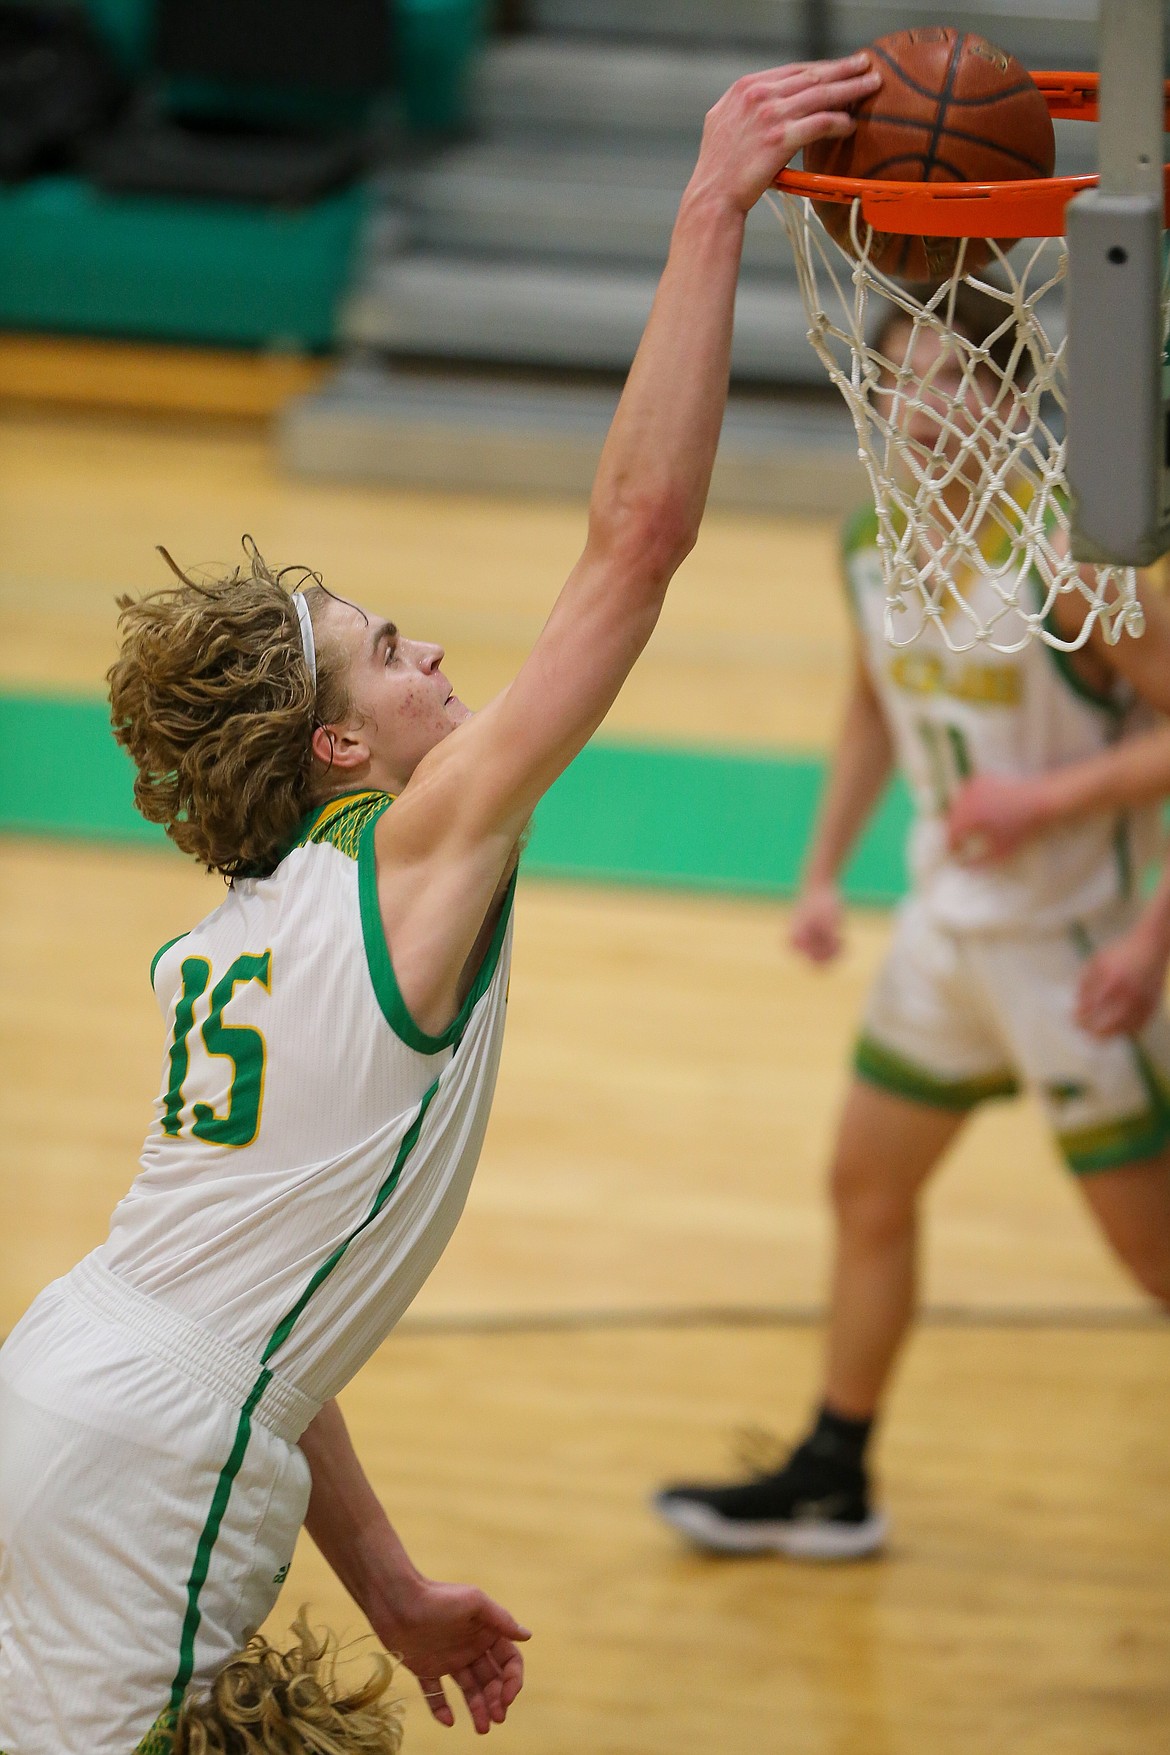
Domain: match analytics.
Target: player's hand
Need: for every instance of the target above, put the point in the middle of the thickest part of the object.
(764, 120)
(817, 923)
(993, 815)
(455, 1630)
(1122, 984)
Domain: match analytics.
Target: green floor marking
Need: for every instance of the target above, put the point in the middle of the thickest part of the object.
(659, 815)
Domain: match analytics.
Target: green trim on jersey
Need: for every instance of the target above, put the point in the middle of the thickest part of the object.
(859, 533)
(1123, 852)
(341, 821)
(231, 1468)
(161, 952)
(381, 969)
(160, 1738)
(890, 1071)
(860, 530)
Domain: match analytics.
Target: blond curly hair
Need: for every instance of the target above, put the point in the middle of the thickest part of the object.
(213, 699)
(269, 1702)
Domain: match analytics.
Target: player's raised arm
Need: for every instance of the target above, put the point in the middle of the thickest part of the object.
(653, 475)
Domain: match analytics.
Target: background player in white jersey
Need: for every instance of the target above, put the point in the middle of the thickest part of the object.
(166, 1411)
(1034, 780)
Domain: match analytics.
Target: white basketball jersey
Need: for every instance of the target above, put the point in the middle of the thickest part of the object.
(952, 715)
(312, 1149)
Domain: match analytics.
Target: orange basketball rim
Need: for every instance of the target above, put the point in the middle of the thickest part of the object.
(1032, 207)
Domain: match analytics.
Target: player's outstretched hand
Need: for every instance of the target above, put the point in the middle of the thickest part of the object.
(455, 1630)
(1122, 984)
(991, 815)
(765, 118)
(816, 929)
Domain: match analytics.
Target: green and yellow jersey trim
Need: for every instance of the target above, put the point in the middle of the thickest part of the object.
(340, 822)
(160, 1738)
(381, 968)
(348, 823)
(231, 1468)
(890, 1071)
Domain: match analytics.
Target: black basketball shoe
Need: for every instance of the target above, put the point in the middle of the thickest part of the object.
(816, 1507)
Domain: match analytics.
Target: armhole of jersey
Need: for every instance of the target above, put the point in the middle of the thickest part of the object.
(382, 975)
(161, 952)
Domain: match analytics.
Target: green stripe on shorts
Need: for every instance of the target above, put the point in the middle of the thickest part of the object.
(1112, 1144)
(891, 1072)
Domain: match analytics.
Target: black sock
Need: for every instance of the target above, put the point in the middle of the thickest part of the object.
(839, 1439)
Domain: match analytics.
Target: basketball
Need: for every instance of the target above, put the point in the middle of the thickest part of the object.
(951, 108)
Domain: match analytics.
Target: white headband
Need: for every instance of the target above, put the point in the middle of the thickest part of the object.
(307, 640)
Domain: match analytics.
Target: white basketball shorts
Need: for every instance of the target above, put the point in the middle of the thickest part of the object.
(956, 1018)
(145, 1525)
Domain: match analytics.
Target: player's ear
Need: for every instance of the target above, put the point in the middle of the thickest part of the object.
(339, 747)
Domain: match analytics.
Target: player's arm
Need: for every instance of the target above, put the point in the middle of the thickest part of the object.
(472, 795)
(1123, 983)
(992, 815)
(861, 766)
(437, 1629)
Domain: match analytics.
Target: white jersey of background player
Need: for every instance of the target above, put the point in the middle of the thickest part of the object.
(185, 1461)
(995, 976)
(954, 715)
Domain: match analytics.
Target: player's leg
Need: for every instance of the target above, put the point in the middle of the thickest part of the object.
(925, 1058)
(1108, 1102)
(887, 1147)
(1131, 1204)
(817, 1505)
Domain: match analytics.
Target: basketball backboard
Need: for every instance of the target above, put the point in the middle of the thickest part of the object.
(1119, 380)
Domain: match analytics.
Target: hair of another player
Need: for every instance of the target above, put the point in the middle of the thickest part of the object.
(212, 697)
(975, 316)
(269, 1702)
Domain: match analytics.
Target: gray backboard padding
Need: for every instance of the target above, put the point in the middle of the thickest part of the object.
(574, 315)
(374, 424)
(541, 197)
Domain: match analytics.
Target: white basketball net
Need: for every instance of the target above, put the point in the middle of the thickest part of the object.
(1002, 458)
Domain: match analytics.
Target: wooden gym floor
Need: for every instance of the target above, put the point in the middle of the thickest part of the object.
(640, 1268)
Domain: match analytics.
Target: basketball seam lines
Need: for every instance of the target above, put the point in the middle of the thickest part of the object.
(944, 98)
(940, 163)
(950, 134)
(969, 103)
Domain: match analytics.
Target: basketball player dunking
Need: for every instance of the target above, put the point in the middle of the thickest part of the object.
(1035, 789)
(167, 1412)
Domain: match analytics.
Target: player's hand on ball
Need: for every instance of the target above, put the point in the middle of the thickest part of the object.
(765, 118)
(816, 929)
(992, 815)
(1122, 985)
(455, 1630)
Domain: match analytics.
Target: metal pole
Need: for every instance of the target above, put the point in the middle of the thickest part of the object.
(1117, 401)
(1131, 36)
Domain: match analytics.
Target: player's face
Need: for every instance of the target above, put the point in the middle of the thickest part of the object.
(403, 703)
(944, 408)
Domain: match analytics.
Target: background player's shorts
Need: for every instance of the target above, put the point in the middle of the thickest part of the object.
(111, 1454)
(956, 1018)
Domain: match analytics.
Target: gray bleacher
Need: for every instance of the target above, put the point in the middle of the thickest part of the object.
(536, 243)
